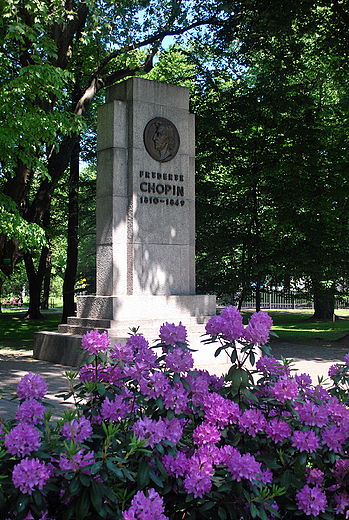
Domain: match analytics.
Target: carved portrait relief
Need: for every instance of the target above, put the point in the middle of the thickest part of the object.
(161, 139)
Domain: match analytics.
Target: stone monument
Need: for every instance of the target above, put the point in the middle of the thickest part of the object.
(145, 222)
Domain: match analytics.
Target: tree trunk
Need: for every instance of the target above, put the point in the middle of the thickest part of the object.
(35, 283)
(258, 297)
(72, 250)
(241, 299)
(323, 310)
(47, 280)
(323, 302)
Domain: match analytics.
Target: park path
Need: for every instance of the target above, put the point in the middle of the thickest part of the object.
(14, 364)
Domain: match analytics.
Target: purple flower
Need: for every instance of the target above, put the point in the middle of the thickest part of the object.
(119, 408)
(220, 411)
(333, 371)
(144, 362)
(179, 361)
(197, 481)
(285, 388)
(268, 364)
(171, 334)
(31, 386)
(228, 324)
(213, 326)
(30, 473)
(266, 476)
(312, 414)
(123, 353)
(206, 434)
(337, 411)
(305, 441)
(314, 476)
(342, 502)
(30, 411)
(311, 500)
(155, 385)
(346, 359)
(95, 342)
(317, 392)
(258, 328)
(252, 421)
(145, 507)
(199, 384)
(174, 429)
(240, 466)
(333, 437)
(137, 342)
(303, 381)
(152, 431)
(231, 324)
(277, 430)
(78, 431)
(22, 440)
(199, 472)
(176, 398)
(176, 467)
(341, 469)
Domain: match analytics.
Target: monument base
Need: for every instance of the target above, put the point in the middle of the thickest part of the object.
(123, 313)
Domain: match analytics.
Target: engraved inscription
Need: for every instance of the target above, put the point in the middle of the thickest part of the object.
(161, 192)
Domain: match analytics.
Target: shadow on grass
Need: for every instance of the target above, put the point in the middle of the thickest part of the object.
(17, 333)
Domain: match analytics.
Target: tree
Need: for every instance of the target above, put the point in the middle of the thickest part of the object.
(48, 49)
(272, 169)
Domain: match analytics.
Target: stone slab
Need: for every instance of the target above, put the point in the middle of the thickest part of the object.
(165, 307)
(64, 349)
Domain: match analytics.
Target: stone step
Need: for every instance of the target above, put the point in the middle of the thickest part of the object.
(77, 329)
(92, 323)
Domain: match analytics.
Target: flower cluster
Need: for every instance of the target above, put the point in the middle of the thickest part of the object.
(152, 438)
(229, 326)
(95, 342)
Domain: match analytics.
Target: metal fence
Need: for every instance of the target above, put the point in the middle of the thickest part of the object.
(279, 300)
(282, 300)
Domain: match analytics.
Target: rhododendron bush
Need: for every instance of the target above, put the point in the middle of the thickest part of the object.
(151, 438)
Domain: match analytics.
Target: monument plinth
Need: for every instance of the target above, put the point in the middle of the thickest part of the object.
(145, 217)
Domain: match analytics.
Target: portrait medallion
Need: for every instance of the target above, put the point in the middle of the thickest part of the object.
(161, 139)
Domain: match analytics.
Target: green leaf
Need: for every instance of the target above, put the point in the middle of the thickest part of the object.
(143, 474)
(84, 479)
(222, 514)
(96, 496)
(96, 467)
(38, 498)
(253, 510)
(74, 485)
(285, 480)
(83, 505)
(114, 469)
(207, 506)
(300, 466)
(161, 468)
(156, 479)
(218, 351)
(22, 503)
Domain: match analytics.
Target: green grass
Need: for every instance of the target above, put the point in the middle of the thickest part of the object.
(17, 333)
(295, 326)
(292, 326)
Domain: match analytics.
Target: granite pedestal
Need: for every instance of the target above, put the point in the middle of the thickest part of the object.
(145, 221)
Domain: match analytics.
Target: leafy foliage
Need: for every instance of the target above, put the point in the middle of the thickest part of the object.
(151, 437)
